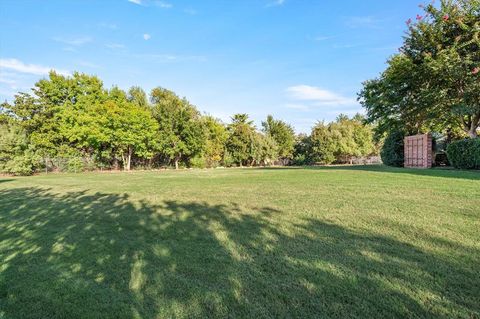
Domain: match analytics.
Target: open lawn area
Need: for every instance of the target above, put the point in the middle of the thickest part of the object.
(337, 242)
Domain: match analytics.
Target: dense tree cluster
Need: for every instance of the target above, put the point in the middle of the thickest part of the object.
(74, 123)
(338, 142)
(433, 83)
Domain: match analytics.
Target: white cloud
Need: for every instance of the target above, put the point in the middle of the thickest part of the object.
(8, 81)
(157, 3)
(75, 42)
(168, 58)
(318, 96)
(163, 4)
(35, 69)
(276, 3)
(146, 36)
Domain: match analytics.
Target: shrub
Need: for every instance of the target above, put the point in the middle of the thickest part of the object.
(19, 165)
(464, 154)
(198, 162)
(392, 152)
(75, 165)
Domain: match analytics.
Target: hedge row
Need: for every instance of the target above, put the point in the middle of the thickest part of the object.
(464, 154)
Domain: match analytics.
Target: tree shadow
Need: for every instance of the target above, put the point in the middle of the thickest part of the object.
(5, 180)
(84, 255)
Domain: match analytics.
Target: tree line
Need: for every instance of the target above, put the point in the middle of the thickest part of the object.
(74, 123)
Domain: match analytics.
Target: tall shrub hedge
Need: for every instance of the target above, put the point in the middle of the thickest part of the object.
(465, 154)
(392, 152)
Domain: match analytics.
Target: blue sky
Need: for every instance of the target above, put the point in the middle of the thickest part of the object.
(300, 60)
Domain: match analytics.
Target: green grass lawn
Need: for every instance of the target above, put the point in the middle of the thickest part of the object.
(339, 242)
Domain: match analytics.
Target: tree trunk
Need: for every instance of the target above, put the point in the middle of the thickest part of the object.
(116, 165)
(472, 125)
(129, 157)
(176, 163)
(473, 134)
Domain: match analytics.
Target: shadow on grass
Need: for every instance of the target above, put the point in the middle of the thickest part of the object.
(84, 255)
(433, 172)
(5, 180)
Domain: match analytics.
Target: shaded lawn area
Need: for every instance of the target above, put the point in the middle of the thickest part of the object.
(356, 242)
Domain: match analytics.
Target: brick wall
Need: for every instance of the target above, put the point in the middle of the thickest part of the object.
(418, 151)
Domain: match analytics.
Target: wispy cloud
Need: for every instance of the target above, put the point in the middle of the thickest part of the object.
(75, 41)
(156, 3)
(170, 58)
(163, 4)
(318, 96)
(275, 3)
(35, 69)
(146, 36)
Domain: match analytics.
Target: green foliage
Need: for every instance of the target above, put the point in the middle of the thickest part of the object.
(341, 141)
(464, 154)
(392, 152)
(433, 84)
(75, 165)
(71, 119)
(264, 150)
(302, 154)
(180, 132)
(137, 96)
(216, 135)
(17, 156)
(241, 134)
(198, 162)
(283, 135)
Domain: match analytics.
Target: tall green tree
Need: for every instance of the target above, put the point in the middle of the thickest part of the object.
(56, 100)
(264, 150)
(434, 82)
(137, 96)
(216, 135)
(283, 135)
(180, 134)
(241, 139)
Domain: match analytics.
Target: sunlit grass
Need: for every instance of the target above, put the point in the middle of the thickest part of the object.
(342, 242)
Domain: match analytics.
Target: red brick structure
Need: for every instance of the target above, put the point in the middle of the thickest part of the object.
(418, 151)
